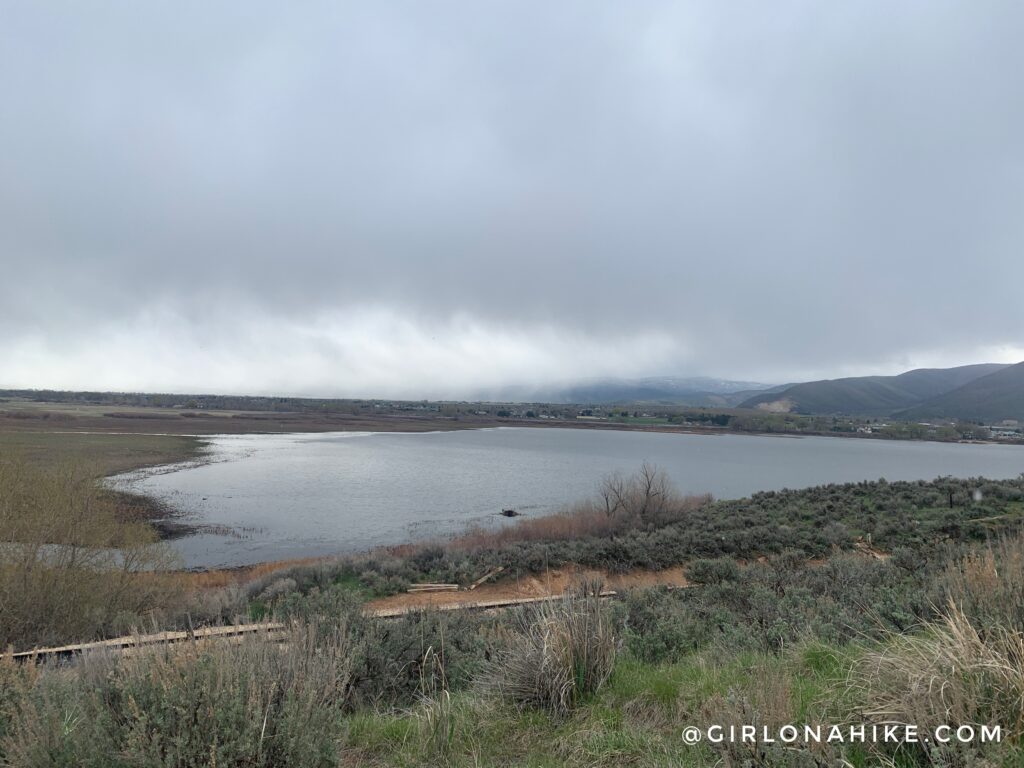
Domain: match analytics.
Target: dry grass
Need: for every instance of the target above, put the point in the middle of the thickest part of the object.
(560, 654)
(436, 717)
(53, 446)
(70, 566)
(950, 674)
(967, 668)
(988, 584)
(580, 521)
(228, 577)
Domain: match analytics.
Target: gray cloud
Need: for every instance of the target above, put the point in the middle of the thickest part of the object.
(411, 197)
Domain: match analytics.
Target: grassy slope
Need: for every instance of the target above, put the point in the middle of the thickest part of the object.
(874, 395)
(997, 396)
(636, 719)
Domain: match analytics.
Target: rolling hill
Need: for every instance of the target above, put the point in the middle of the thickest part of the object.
(872, 395)
(699, 391)
(991, 398)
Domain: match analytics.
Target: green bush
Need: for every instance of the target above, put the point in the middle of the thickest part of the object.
(713, 571)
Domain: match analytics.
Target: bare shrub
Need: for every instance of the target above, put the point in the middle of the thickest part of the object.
(647, 496)
(561, 653)
(950, 674)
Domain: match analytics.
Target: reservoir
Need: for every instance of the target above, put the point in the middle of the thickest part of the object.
(269, 497)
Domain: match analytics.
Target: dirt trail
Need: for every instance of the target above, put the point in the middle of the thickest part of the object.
(553, 582)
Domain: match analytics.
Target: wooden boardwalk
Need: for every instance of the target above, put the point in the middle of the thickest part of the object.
(140, 641)
(268, 630)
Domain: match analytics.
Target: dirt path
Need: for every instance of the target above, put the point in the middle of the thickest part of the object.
(524, 588)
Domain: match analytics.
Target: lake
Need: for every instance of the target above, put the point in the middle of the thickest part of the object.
(269, 497)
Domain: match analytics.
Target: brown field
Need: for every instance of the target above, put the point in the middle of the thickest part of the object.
(20, 415)
(31, 416)
(106, 453)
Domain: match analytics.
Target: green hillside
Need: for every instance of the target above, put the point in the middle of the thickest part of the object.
(872, 395)
(991, 398)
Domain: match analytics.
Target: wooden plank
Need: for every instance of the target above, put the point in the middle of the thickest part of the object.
(428, 585)
(416, 588)
(487, 576)
(137, 641)
(271, 630)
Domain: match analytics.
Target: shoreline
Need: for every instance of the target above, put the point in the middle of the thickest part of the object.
(109, 443)
(456, 425)
(170, 522)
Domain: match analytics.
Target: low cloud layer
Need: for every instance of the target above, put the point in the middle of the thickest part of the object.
(359, 354)
(433, 200)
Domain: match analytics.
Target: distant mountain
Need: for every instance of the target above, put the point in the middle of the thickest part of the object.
(871, 395)
(991, 398)
(661, 390)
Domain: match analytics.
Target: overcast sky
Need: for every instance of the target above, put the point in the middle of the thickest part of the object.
(434, 198)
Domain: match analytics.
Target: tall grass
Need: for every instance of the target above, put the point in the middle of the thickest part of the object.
(560, 654)
(436, 717)
(964, 669)
(987, 584)
(950, 674)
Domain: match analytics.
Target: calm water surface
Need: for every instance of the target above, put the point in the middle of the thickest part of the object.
(281, 496)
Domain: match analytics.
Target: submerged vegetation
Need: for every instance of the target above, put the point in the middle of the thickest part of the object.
(837, 605)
